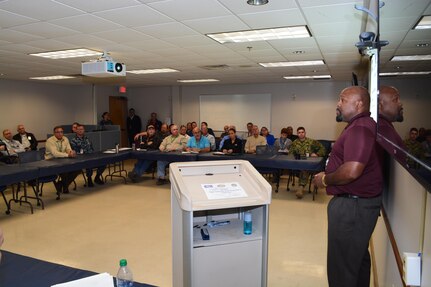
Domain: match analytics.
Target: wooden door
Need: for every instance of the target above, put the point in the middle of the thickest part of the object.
(118, 111)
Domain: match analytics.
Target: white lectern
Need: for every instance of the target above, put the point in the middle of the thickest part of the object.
(208, 193)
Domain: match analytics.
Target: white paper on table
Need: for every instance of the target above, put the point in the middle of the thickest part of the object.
(99, 280)
(124, 148)
(223, 190)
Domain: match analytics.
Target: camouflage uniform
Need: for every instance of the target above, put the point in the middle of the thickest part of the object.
(303, 147)
(414, 148)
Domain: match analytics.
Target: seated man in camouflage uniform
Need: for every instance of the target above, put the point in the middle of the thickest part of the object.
(81, 144)
(414, 148)
(305, 146)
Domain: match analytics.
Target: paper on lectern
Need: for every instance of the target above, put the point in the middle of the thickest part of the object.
(99, 280)
(223, 190)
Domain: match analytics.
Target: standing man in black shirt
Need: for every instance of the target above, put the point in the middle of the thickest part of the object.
(133, 125)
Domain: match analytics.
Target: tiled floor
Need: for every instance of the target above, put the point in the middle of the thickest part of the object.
(93, 228)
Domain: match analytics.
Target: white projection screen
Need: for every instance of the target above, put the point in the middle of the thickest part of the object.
(237, 110)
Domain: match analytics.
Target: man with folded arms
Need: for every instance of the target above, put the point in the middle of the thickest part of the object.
(174, 142)
(28, 140)
(58, 146)
(13, 147)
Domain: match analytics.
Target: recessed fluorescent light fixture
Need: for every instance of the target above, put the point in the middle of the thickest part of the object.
(198, 81)
(424, 23)
(73, 53)
(261, 35)
(292, 64)
(50, 78)
(404, 73)
(307, 77)
(411, 58)
(153, 71)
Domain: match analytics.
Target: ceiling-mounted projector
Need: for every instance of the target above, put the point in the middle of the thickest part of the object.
(103, 67)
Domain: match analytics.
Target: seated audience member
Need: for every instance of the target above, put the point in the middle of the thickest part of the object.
(164, 131)
(198, 143)
(13, 147)
(106, 120)
(150, 141)
(426, 145)
(74, 127)
(233, 144)
(189, 128)
(282, 144)
(249, 129)
(305, 146)
(183, 131)
(174, 142)
(225, 131)
(210, 130)
(290, 134)
(58, 146)
(5, 158)
(413, 147)
(254, 140)
(270, 139)
(28, 140)
(190, 132)
(226, 137)
(421, 135)
(154, 121)
(82, 144)
(211, 138)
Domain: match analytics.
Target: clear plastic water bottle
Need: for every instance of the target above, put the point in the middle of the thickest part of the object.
(248, 225)
(124, 275)
(117, 148)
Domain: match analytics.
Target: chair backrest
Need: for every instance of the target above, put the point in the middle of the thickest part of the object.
(327, 144)
(265, 150)
(30, 156)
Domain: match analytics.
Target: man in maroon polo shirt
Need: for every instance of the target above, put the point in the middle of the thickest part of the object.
(354, 178)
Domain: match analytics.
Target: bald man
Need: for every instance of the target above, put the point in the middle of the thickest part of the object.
(28, 140)
(390, 110)
(354, 177)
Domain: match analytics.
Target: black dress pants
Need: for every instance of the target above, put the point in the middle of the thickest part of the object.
(351, 222)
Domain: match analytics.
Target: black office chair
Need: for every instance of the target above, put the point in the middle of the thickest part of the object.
(266, 150)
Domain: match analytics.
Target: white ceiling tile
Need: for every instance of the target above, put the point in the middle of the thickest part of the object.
(281, 18)
(241, 7)
(398, 8)
(304, 57)
(123, 36)
(86, 41)
(424, 35)
(134, 16)
(293, 43)
(261, 45)
(40, 9)
(190, 41)
(330, 14)
(151, 45)
(17, 37)
(45, 30)
(22, 48)
(86, 23)
(396, 24)
(338, 29)
(219, 24)
(167, 30)
(313, 3)
(98, 5)
(49, 44)
(8, 19)
(181, 10)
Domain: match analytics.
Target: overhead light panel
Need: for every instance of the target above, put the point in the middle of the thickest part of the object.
(198, 81)
(403, 73)
(424, 23)
(308, 77)
(261, 35)
(411, 58)
(72, 53)
(153, 71)
(51, 78)
(292, 64)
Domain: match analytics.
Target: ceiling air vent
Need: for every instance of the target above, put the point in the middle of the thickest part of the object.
(215, 67)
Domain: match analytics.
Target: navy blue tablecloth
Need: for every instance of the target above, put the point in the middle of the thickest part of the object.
(22, 271)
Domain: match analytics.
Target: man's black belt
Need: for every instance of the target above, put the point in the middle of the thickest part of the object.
(347, 195)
